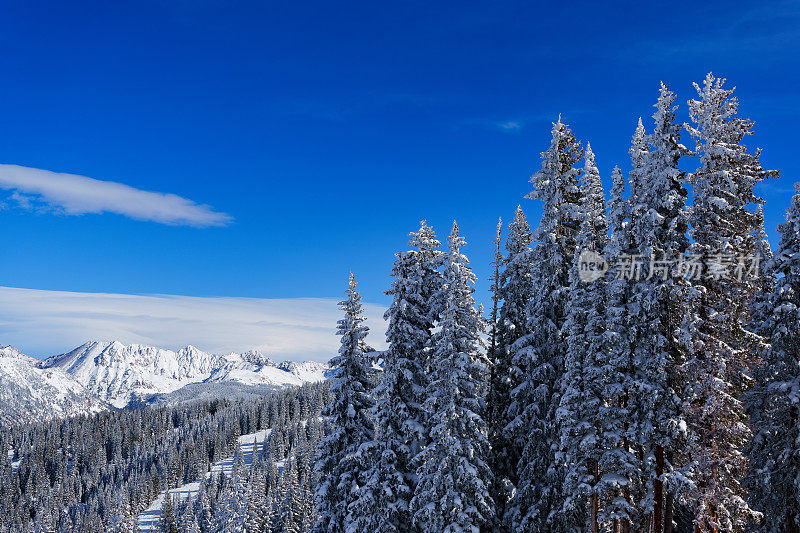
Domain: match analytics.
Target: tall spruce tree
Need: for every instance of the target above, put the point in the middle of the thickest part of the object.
(383, 504)
(723, 349)
(581, 389)
(514, 292)
(774, 478)
(539, 355)
(660, 293)
(766, 282)
(429, 262)
(495, 397)
(757, 400)
(341, 463)
(619, 464)
(452, 494)
(168, 523)
(637, 178)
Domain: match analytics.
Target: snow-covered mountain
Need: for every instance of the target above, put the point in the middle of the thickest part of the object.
(119, 374)
(29, 392)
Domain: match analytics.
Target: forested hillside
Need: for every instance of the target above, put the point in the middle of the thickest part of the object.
(96, 473)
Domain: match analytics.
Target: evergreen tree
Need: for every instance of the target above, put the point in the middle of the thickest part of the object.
(205, 520)
(452, 494)
(498, 380)
(257, 509)
(766, 281)
(383, 504)
(660, 293)
(581, 406)
(168, 522)
(514, 291)
(126, 520)
(539, 355)
(620, 467)
(774, 478)
(339, 464)
(429, 259)
(722, 347)
(638, 175)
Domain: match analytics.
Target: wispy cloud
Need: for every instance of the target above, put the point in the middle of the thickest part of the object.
(43, 323)
(516, 122)
(510, 125)
(71, 194)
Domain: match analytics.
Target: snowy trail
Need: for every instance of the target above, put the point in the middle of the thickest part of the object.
(148, 519)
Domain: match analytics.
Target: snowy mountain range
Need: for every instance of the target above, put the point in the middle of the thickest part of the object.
(29, 392)
(98, 374)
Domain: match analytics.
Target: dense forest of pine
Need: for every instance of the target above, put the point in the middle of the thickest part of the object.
(97, 473)
(637, 372)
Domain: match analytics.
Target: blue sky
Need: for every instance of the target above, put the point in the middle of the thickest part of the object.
(308, 138)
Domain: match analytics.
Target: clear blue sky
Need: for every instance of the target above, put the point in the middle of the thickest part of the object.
(327, 130)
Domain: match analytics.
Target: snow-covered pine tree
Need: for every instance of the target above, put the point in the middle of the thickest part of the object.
(292, 505)
(492, 347)
(257, 508)
(168, 523)
(126, 520)
(430, 258)
(452, 494)
(494, 288)
(339, 464)
(539, 355)
(637, 177)
(660, 224)
(757, 401)
(515, 291)
(497, 397)
(774, 477)
(619, 465)
(205, 520)
(722, 347)
(766, 281)
(581, 389)
(383, 503)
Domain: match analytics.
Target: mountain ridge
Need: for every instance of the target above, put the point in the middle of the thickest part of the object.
(99, 375)
(28, 391)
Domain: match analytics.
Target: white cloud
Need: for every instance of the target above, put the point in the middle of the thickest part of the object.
(510, 125)
(43, 323)
(77, 195)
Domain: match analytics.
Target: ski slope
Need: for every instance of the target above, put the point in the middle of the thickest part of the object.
(148, 519)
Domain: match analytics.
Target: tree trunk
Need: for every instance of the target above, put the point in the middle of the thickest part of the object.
(595, 503)
(626, 525)
(791, 526)
(658, 491)
(669, 506)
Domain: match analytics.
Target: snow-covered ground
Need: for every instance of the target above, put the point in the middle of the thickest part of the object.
(14, 464)
(148, 519)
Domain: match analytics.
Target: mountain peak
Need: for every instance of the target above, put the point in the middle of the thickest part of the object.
(10, 351)
(30, 391)
(119, 373)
